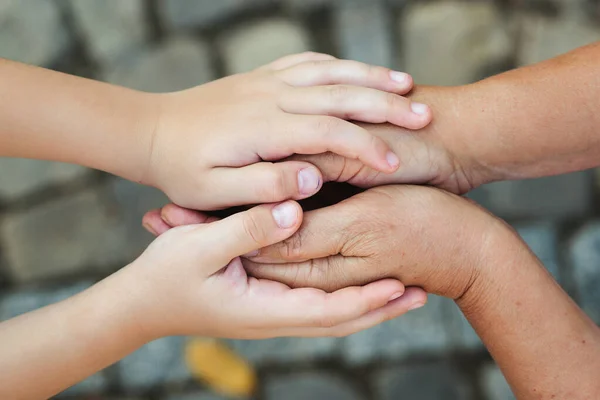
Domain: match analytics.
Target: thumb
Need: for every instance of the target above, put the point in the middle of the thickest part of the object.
(251, 230)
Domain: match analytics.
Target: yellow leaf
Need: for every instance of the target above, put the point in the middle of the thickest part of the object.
(220, 368)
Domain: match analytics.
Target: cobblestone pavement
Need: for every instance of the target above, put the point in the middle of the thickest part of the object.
(163, 45)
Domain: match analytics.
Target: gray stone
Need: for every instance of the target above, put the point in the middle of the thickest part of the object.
(418, 332)
(176, 64)
(544, 38)
(158, 363)
(556, 198)
(452, 43)
(19, 177)
(198, 396)
(307, 5)
(310, 385)
(584, 252)
(282, 350)
(134, 201)
(542, 239)
(77, 234)
(422, 382)
(26, 300)
(178, 14)
(256, 44)
(494, 384)
(110, 27)
(31, 31)
(363, 31)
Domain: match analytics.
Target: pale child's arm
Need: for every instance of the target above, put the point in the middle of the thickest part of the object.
(188, 282)
(211, 146)
(47, 350)
(54, 116)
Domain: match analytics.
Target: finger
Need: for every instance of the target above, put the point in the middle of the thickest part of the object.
(175, 215)
(248, 231)
(154, 224)
(294, 59)
(265, 182)
(321, 236)
(356, 103)
(336, 168)
(309, 307)
(334, 72)
(328, 274)
(312, 134)
(412, 299)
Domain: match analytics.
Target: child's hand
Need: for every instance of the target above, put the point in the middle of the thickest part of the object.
(214, 145)
(191, 281)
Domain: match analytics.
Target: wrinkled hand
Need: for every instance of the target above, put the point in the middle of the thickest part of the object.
(445, 154)
(422, 236)
(214, 145)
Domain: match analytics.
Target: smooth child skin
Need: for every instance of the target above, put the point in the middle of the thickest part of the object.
(535, 121)
(190, 281)
(209, 147)
(212, 146)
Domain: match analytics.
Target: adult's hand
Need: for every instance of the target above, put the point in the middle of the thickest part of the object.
(534, 121)
(544, 344)
(423, 236)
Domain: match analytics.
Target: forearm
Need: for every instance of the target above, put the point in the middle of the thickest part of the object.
(534, 121)
(545, 345)
(50, 349)
(53, 116)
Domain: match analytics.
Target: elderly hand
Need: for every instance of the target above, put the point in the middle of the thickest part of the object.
(422, 236)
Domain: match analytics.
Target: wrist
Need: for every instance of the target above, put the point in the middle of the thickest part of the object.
(117, 306)
(458, 129)
(501, 255)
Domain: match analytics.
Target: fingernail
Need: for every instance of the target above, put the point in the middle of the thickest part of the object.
(165, 217)
(418, 108)
(285, 215)
(416, 305)
(399, 77)
(395, 296)
(392, 159)
(149, 229)
(308, 181)
(251, 254)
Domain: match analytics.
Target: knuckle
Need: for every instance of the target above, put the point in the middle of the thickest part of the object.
(254, 230)
(327, 126)
(291, 248)
(391, 101)
(275, 187)
(338, 94)
(325, 320)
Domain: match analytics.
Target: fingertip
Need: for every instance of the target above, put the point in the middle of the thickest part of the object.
(154, 224)
(287, 215)
(403, 82)
(310, 181)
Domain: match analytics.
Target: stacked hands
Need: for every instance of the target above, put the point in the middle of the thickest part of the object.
(277, 272)
(263, 140)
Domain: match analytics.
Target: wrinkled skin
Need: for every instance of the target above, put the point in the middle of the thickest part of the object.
(422, 236)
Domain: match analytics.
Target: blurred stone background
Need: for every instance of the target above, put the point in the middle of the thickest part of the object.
(63, 227)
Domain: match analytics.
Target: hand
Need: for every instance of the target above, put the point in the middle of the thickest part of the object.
(422, 236)
(213, 144)
(448, 153)
(191, 281)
